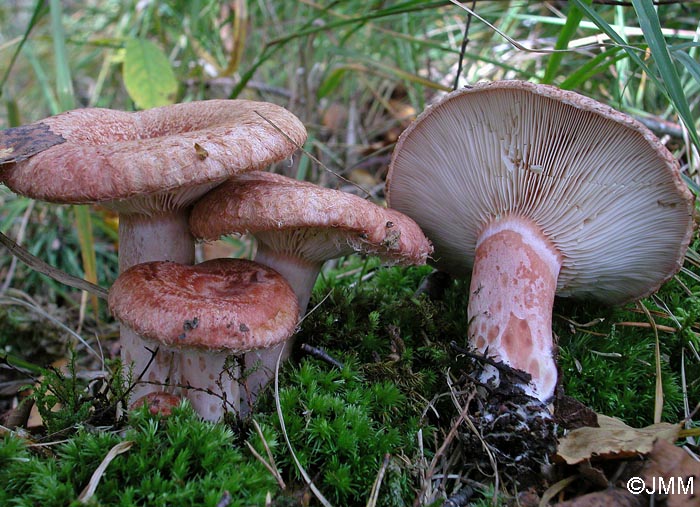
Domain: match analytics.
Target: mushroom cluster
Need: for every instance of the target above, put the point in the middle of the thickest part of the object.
(536, 191)
(299, 226)
(152, 167)
(149, 166)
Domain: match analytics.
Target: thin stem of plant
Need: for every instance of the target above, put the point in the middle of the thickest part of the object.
(298, 464)
(44, 268)
(463, 48)
(20, 237)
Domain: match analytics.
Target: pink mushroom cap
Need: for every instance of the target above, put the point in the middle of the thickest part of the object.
(149, 160)
(234, 305)
(306, 220)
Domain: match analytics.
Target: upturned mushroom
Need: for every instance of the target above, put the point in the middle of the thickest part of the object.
(299, 226)
(149, 166)
(206, 312)
(537, 191)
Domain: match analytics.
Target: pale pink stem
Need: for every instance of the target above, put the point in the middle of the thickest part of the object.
(301, 276)
(217, 386)
(144, 239)
(511, 296)
(163, 237)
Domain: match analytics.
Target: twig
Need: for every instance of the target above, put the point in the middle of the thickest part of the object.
(659, 397)
(115, 451)
(140, 376)
(660, 327)
(315, 307)
(443, 447)
(321, 354)
(518, 374)
(374, 493)
(270, 463)
(44, 268)
(484, 445)
(520, 47)
(463, 49)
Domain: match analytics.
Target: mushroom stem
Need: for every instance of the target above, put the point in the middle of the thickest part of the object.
(260, 364)
(142, 239)
(161, 237)
(299, 273)
(220, 390)
(513, 283)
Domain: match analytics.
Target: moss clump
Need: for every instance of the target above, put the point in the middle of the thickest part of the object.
(341, 427)
(612, 367)
(405, 339)
(180, 460)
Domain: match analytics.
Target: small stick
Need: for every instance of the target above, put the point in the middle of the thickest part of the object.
(270, 465)
(115, 451)
(44, 268)
(660, 327)
(465, 41)
(520, 375)
(321, 354)
(374, 493)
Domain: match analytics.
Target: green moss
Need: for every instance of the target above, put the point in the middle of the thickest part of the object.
(395, 349)
(341, 426)
(404, 339)
(612, 368)
(180, 460)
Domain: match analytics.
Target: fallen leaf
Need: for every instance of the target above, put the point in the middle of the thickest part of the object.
(614, 496)
(679, 471)
(612, 440)
(571, 413)
(20, 143)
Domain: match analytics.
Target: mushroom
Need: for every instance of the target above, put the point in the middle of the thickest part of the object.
(299, 226)
(149, 166)
(538, 191)
(207, 312)
(158, 402)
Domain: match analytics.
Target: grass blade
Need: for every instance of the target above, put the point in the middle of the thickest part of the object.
(64, 83)
(86, 239)
(66, 100)
(573, 19)
(692, 66)
(651, 28)
(42, 78)
(311, 28)
(39, 11)
(595, 65)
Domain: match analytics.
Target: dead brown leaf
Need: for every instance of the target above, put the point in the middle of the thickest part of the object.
(674, 466)
(614, 496)
(20, 143)
(612, 440)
